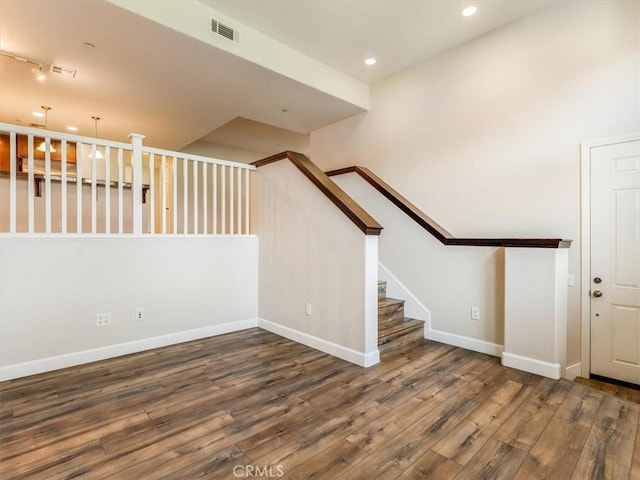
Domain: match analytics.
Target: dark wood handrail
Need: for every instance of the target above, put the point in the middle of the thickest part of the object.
(438, 231)
(344, 202)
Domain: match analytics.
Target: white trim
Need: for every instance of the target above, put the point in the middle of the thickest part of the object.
(585, 241)
(5, 235)
(413, 308)
(370, 293)
(197, 158)
(573, 371)
(10, 127)
(353, 356)
(531, 365)
(42, 365)
(468, 343)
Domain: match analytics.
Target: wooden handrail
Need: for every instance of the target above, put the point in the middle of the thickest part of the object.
(438, 231)
(346, 204)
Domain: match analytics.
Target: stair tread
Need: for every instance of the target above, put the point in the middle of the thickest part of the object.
(384, 301)
(394, 326)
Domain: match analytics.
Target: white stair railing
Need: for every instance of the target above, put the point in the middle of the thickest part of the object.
(120, 188)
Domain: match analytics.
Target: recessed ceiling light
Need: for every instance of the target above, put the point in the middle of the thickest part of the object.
(467, 12)
(38, 114)
(38, 72)
(71, 128)
(370, 61)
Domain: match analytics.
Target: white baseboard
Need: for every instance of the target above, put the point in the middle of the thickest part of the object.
(531, 365)
(413, 308)
(353, 356)
(469, 343)
(34, 367)
(573, 371)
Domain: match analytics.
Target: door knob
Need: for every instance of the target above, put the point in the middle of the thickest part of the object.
(597, 293)
(597, 280)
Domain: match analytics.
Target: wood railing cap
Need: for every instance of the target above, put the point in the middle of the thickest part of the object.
(332, 191)
(437, 230)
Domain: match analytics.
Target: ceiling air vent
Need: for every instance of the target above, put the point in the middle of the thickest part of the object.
(225, 31)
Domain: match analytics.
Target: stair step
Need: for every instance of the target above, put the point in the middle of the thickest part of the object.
(397, 332)
(382, 289)
(390, 309)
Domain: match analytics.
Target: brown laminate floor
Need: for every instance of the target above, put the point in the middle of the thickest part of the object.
(252, 404)
(631, 394)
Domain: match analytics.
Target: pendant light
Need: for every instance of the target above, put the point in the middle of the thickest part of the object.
(43, 146)
(99, 155)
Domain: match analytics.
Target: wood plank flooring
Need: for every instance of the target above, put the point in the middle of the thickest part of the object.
(254, 405)
(628, 393)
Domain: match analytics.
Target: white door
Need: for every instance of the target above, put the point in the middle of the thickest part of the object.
(615, 261)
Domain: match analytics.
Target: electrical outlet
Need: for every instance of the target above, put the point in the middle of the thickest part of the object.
(139, 314)
(103, 319)
(475, 313)
(307, 309)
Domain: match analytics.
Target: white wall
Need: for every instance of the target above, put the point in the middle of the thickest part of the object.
(447, 280)
(536, 310)
(216, 150)
(310, 252)
(52, 289)
(485, 138)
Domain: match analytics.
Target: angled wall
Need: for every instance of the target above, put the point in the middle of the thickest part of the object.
(311, 253)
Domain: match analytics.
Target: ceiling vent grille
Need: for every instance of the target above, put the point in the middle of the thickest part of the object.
(225, 31)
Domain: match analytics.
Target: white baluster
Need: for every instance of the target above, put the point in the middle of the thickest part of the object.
(195, 197)
(13, 164)
(174, 175)
(79, 164)
(223, 199)
(205, 207)
(120, 191)
(163, 192)
(30, 180)
(239, 201)
(63, 187)
(214, 184)
(47, 183)
(136, 183)
(246, 201)
(151, 194)
(94, 189)
(231, 200)
(107, 190)
(185, 197)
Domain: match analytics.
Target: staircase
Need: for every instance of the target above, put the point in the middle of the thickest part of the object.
(394, 329)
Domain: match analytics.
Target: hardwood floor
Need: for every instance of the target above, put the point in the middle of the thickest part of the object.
(626, 392)
(254, 405)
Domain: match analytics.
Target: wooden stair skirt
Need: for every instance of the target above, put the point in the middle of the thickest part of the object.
(394, 329)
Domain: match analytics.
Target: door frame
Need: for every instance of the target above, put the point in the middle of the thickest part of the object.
(585, 242)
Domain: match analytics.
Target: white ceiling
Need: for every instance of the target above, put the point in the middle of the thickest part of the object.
(398, 33)
(145, 78)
